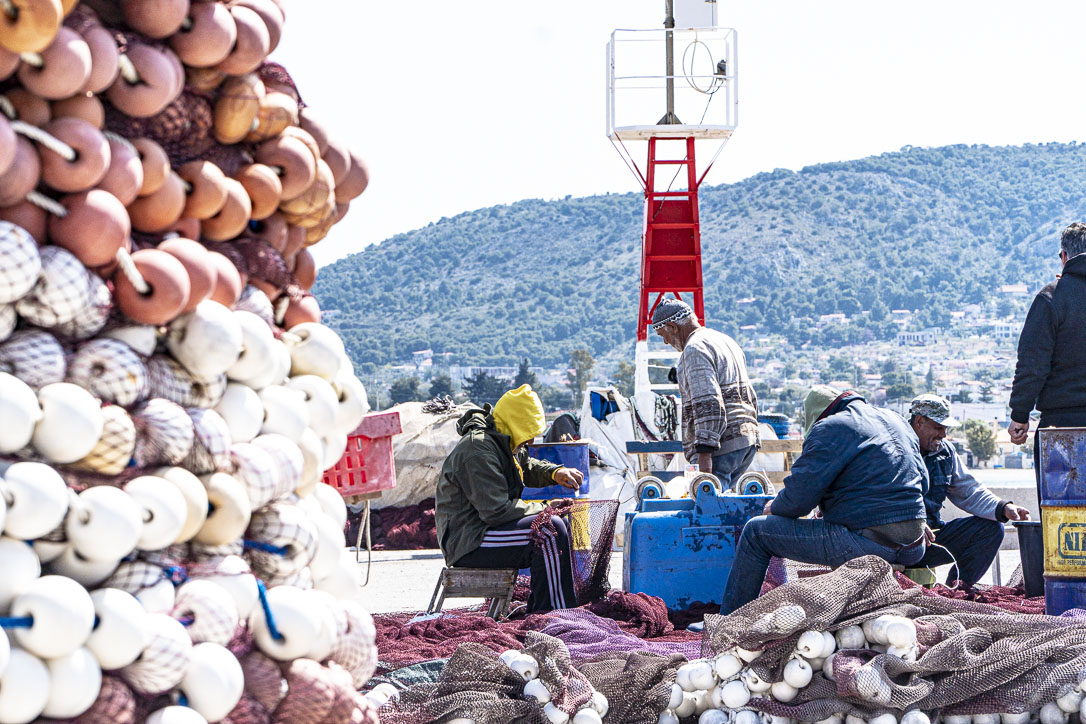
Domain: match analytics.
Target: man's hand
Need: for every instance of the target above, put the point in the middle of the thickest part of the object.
(705, 463)
(569, 478)
(768, 505)
(1015, 512)
(929, 535)
(1018, 431)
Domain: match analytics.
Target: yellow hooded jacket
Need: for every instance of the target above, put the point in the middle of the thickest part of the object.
(482, 479)
(519, 414)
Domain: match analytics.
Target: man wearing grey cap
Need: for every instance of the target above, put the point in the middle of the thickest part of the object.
(973, 540)
(720, 408)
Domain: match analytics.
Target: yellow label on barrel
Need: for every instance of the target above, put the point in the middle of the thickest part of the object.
(1065, 541)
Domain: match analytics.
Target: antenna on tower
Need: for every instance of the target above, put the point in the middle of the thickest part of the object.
(669, 119)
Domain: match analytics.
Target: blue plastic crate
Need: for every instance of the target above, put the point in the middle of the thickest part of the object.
(567, 454)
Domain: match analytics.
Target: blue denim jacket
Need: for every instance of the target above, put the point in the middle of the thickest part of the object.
(947, 478)
(862, 466)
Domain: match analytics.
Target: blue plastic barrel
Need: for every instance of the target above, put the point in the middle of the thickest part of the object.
(1062, 594)
(566, 454)
(781, 424)
(1063, 514)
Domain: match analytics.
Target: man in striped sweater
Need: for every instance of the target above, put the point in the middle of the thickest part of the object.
(720, 409)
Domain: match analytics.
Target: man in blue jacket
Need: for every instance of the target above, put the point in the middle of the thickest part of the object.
(862, 467)
(974, 540)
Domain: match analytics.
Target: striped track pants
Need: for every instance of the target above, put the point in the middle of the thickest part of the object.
(508, 546)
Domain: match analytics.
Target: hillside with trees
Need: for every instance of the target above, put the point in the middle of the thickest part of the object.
(927, 229)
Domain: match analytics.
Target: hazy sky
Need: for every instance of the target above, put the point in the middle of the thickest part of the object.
(462, 105)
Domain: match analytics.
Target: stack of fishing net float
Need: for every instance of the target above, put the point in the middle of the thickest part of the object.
(168, 396)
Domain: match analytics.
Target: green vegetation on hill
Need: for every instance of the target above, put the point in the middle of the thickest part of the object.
(925, 229)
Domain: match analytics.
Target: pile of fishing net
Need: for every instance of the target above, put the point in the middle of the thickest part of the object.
(1008, 598)
(817, 649)
(397, 528)
(404, 639)
(477, 685)
(1011, 597)
(970, 658)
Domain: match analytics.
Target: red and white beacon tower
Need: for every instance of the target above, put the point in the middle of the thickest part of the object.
(671, 88)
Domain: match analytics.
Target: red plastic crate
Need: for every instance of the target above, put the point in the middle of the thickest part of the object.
(367, 465)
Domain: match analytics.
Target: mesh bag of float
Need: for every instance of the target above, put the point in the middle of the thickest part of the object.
(591, 525)
(476, 684)
(970, 658)
(480, 685)
(592, 534)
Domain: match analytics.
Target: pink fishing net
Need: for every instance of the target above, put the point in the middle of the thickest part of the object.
(589, 636)
(401, 642)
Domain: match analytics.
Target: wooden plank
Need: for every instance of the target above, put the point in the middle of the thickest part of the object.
(479, 582)
(781, 446)
(351, 499)
(777, 476)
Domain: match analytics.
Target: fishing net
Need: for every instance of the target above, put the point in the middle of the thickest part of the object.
(399, 528)
(424, 672)
(588, 636)
(474, 684)
(974, 657)
(275, 75)
(183, 129)
(592, 533)
(642, 615)
(1008, 598)
(402, 640)
(477, 685)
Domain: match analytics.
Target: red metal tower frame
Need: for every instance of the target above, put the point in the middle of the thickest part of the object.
(671, 242)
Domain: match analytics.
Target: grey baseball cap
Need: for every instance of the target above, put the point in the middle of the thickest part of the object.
(934, 408)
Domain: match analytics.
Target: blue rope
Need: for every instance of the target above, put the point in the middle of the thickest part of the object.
(16, 621)
(175, 574)
(266, 547)
(267, 610)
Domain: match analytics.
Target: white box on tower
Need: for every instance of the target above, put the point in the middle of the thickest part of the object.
(694, 13)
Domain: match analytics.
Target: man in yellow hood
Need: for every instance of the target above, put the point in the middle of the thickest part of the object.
(481, 520)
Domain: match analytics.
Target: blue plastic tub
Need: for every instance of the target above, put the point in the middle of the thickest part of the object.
(568, 454)
(1062, 594)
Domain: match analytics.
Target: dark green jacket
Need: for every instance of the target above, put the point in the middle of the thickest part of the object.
(480, 487)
